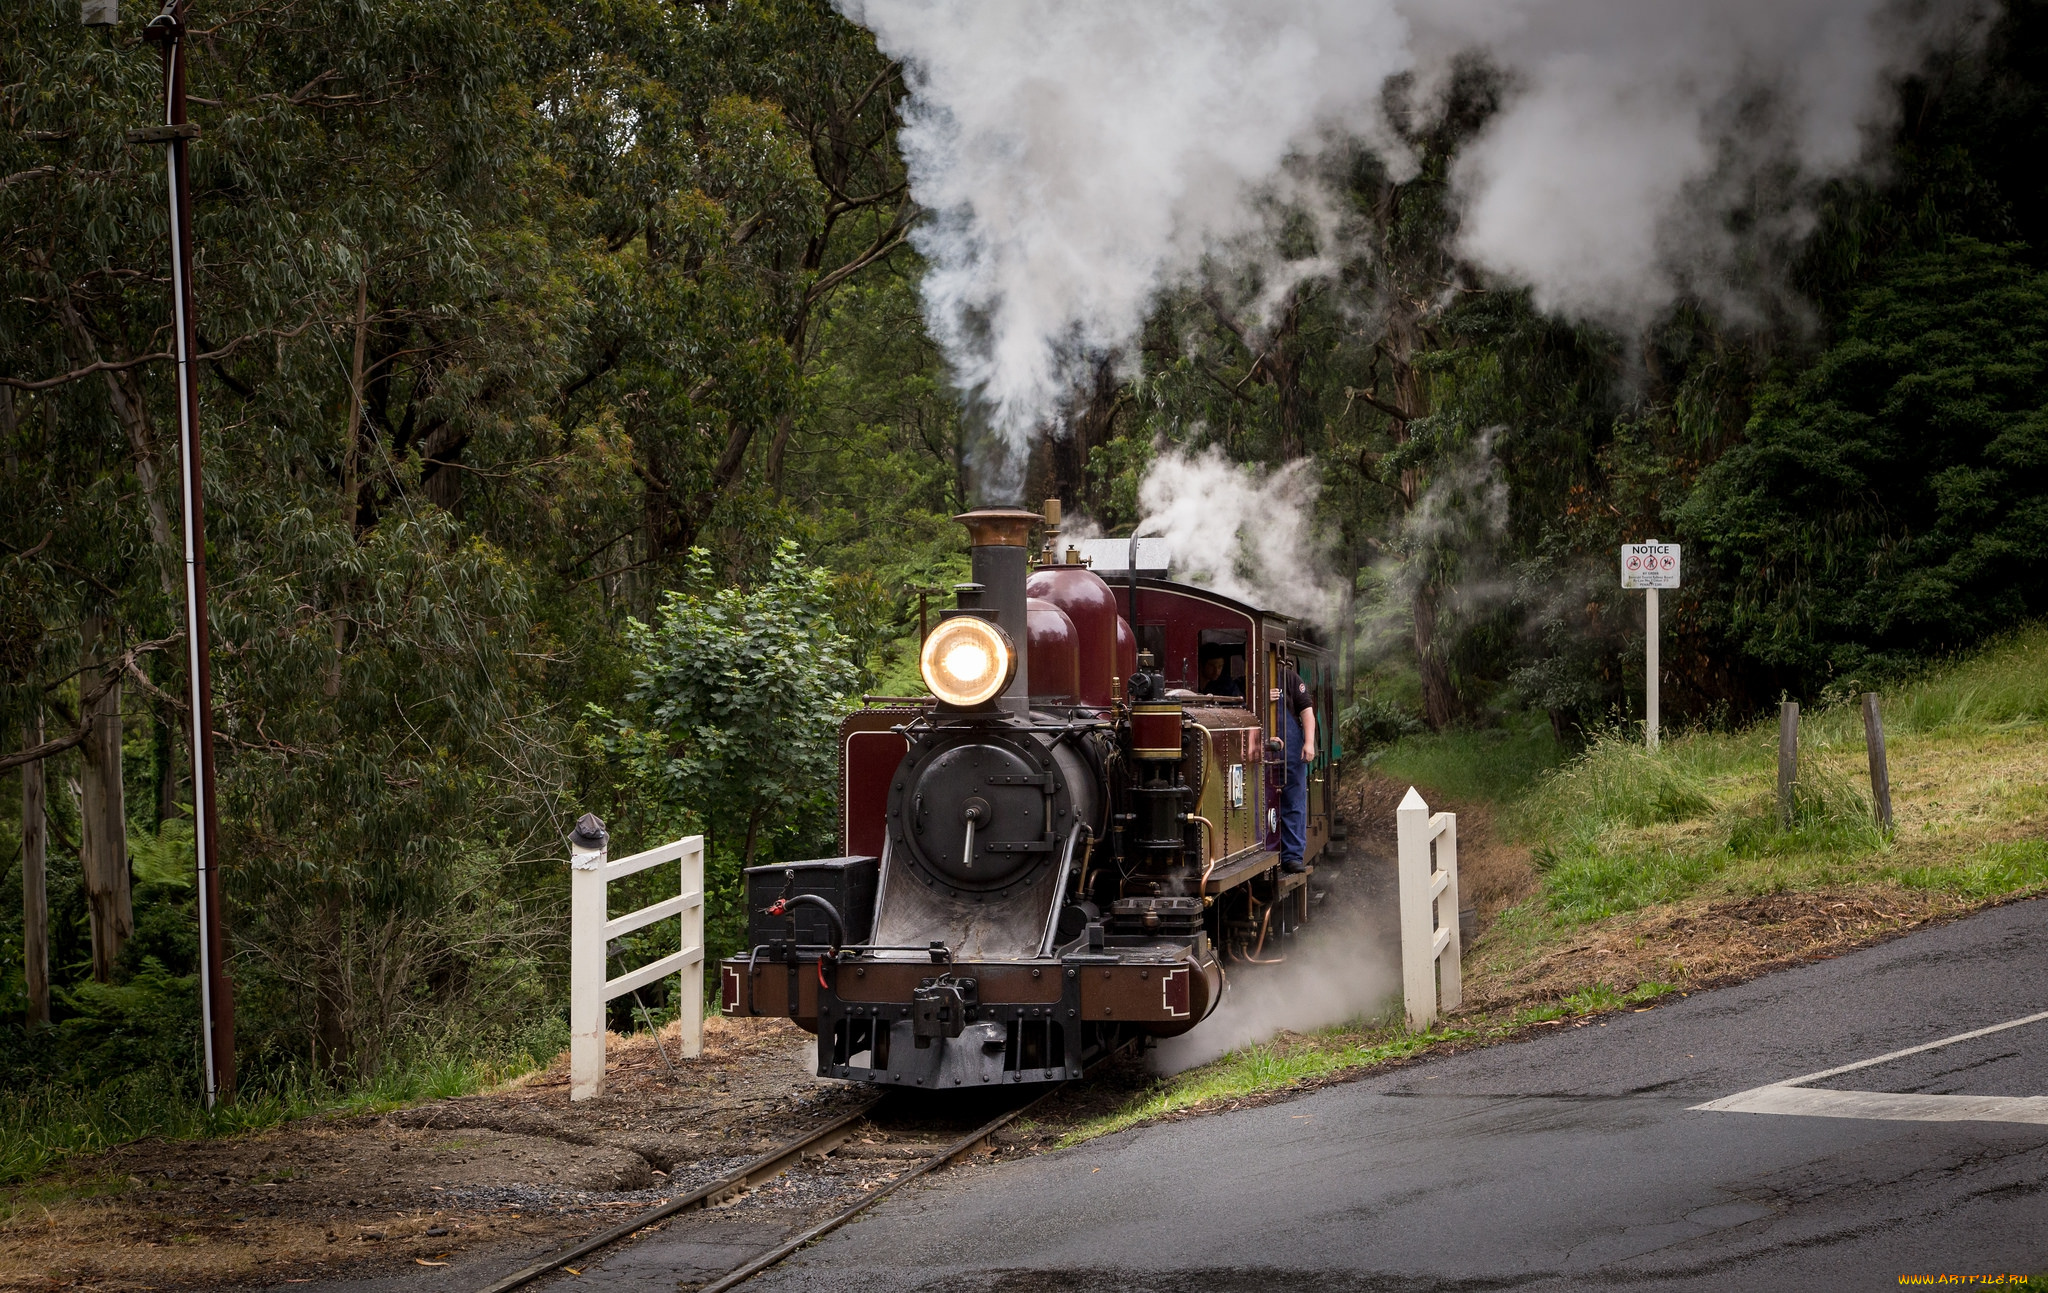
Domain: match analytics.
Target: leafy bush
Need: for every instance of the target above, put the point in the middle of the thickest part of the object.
(1373, 722)
(737, 695)
(1892, 501)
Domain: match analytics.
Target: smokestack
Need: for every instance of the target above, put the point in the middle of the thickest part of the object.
(998, 539)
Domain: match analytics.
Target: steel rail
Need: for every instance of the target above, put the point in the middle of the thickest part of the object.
(767, 1166)
(741, 1274)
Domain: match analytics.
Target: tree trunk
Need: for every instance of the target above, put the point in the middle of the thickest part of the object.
(103, 848)
(124, 392)
(785, 427)
(1283, 363)
(330, 1028)
(166, 753)
(9, 434)
(1439, 698)
(1091, 422)
(35, 900)
(351, 487)
(753, 833)
(1411, 395)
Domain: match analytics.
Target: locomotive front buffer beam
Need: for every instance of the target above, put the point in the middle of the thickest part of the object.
(934, 1024)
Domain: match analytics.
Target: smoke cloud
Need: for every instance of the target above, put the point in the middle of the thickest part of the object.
(1076, 158)
(1633, 130)
(1337, 971)
(1243, 532)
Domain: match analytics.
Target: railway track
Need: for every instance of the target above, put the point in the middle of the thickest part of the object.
(818, 1142)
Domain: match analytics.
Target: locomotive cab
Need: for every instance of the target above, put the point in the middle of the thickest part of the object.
(1049, 857)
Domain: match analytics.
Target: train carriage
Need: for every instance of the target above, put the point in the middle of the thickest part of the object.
(1060, 850)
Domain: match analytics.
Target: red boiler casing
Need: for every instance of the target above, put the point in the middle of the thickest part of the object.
(1091, 607)
(1054, 658)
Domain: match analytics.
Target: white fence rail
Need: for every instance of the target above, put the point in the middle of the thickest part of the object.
(592, 928)
(1430, 950)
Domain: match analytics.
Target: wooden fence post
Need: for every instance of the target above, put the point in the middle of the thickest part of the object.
(589, 849)
(690, 1001)
(1880, 771)
(1430, 946)
(592, 929)
(1788, 759)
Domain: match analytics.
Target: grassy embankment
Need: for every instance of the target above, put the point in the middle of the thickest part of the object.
(1647, 874)
(43, 1127)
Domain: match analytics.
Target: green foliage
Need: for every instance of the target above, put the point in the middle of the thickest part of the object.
(1892, 501)
(508, 309)
(1594, 999)
(1373, 721)
(1618, 780)
(150, 1023)
(737, 696)
(1491, 765)
(42, 1124)
(2008, 867)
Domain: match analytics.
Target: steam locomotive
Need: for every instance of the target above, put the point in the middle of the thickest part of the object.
(1064, 846)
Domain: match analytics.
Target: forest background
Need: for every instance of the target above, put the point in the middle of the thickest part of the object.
(575, 443)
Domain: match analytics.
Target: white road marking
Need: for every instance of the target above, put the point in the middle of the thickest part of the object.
(1884, 1105)
(1791, 1097)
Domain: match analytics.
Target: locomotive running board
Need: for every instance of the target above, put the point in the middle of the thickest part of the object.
(1232, 873)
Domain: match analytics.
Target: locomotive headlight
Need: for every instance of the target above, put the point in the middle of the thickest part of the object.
(967, 661)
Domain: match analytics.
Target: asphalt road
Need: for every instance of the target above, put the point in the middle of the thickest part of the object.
(1571, 1161)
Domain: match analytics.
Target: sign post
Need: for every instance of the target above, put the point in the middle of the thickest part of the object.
(1649, 566)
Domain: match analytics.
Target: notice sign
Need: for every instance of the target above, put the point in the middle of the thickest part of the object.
(1649, 565)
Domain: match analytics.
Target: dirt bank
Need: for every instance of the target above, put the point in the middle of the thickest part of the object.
(1691, 943)
(517, 1168)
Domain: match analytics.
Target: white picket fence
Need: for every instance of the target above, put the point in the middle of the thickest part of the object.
(591, 930)
(1430, 981)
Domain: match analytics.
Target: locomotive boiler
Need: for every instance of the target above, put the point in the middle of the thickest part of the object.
(1062, 848)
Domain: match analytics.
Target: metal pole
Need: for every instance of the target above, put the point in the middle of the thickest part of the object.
(1650, 714)
(216, 995)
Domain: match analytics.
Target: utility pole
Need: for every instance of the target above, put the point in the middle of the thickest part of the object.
(216, 995)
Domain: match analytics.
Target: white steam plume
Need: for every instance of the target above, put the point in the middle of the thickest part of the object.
(1345, 969)
(1633, 128)
(1076, 157)
(1243, 532)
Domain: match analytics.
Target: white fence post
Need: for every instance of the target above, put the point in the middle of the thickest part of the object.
(1428, 863)
(591, 930)
(588, 850)
(690, 934)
